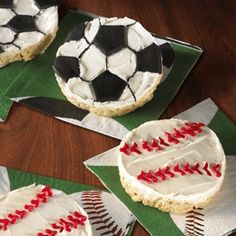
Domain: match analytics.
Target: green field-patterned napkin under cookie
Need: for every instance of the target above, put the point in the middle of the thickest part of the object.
(35, 85)
(8, 75)
(156, 222)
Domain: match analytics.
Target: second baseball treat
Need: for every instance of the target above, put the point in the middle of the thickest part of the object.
(173, 165)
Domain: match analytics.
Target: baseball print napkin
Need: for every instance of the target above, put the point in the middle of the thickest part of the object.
(220, 211)
(33, 84)
(106, 214)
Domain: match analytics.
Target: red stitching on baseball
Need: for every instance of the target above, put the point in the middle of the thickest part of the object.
(143, 176)
(155, 145)
(187, 168)
(168, 171)
(205, 167)
(13, 218)
(216, 169)
(159, 143)
(21, 214)
(196, 168)
(178, 170)
(146, 146)
(178, 134)
(125, 149)
(134, 148)
(160, 174)
(171, 139)
(162, 142)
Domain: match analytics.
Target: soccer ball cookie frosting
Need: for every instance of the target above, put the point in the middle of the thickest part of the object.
(173, 165)
(39, 211)
(109, 66)
(27, 27)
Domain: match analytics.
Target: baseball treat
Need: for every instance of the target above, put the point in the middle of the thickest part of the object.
(41, 211)
(173, 165)
(27, 27)
(109, 66)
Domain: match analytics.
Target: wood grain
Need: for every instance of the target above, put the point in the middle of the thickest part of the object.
(33, 142)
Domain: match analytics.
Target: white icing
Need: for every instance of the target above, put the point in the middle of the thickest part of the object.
(91, 30)
(20, 7)
(77, 86)
(5, 15)
(6, 35)
(10, 48)
(27, 38)
(122, 63)
(92, 63)
(127, 95)
(138, 37)
(58, 206)
(190, 188)
(46, 21)
(73, 48)
(142, 82)
(4, 181)
(117, 21)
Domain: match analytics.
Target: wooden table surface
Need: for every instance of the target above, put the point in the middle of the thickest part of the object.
(33, 142)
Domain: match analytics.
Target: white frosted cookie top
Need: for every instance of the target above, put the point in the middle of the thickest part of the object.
(25, 22)
(110, 62)
(172, 158)
(38, 210)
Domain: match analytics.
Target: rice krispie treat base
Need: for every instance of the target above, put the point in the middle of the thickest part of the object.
(26, 28)
(30, 52)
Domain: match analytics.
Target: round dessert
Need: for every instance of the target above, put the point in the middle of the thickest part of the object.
(173, 165)
(109, 66)
(27, 27)
(39, 210)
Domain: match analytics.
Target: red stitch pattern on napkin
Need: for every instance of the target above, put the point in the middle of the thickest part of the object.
(194, 222)
(98, 214)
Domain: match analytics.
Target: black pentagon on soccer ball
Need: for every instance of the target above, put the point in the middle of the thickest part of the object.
(76, 33)
(168, 55)
(22, 23)
(66, 67)
(110, 38)
(6, 3)
(42, 4)
(149, 59)
(1, 49)
(107, 87)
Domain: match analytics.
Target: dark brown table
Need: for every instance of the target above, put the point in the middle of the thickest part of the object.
(33, 142)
